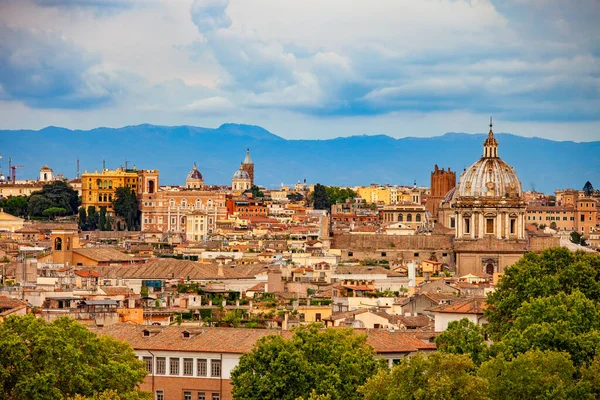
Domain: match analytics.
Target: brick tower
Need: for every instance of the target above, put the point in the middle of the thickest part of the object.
(441, 182)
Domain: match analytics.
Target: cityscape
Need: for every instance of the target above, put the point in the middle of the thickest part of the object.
(151, 259)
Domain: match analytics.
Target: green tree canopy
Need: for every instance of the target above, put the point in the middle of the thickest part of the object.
(92, 219)
(531, 375)
(423, 377)
(314, 362)
(56, 194)
(463, 337)
(16, 205)
(256, 192)
(588, 189)
(321, 201)
(62, 359)
(126, 206)
(541, 275)
(82, 218)
(562, 322)
(52, 212)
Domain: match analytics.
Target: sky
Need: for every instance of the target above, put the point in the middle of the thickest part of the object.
(309, 69)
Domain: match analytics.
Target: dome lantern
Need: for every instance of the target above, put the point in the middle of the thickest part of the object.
(490, 146)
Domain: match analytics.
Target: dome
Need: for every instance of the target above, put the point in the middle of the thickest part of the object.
(241, 174)
(489, 176)
(194, 174)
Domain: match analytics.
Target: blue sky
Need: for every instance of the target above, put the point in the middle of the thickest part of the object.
(304, 68)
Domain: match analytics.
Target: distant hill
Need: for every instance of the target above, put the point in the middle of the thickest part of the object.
(540, 163)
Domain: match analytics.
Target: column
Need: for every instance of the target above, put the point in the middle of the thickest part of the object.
(459, 225)
(169, 219)
(481, 224)
(498, 227)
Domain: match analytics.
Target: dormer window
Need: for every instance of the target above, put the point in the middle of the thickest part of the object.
(146, 332)
(186, 334)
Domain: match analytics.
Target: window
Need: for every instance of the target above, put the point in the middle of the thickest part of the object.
(216, 396)
(467, 225)
(416, 254)
(400, 218)
(188, 366)
(409, 218)
(215, 367)
(148, 364)
(489, 225)
(160, 395)
(318, 317)
(513, 223)
(418, 218)
(452, 223)
(187, 395)
(161, 365)
(383, 254)
(201, 367)
(350, 254)
(201, 396)
(174, 366)
(582, 217)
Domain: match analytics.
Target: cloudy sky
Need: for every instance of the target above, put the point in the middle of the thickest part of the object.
(304, 68)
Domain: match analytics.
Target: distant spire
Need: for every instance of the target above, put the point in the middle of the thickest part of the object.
(248, 159)
(490, 123)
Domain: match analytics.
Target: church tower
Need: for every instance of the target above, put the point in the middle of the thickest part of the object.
(442, 181)
(248, 167)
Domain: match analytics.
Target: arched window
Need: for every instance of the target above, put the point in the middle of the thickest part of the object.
(150, 186)
(110, 184)
(99, 183)
(183, 203)
(198, 203)
(409, 218)
(58, 244)
(99, 198)
(400, 218)
(105, 184)
(418, 218)
(105, 198)
(110, 198)
(171, 203)
(210, 202)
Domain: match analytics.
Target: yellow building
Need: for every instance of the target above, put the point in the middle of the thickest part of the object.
(375, 194)
(98, 188)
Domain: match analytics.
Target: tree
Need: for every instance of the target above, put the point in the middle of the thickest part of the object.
(575, 237)
(104, 224)
(563, 322)
(463, 337)
(52, 212)
(588, 189)
(37, 204)
(256, 193)
(82, 218)
(62, 359)
(531, 375)
(126, 206)
(553, 225)
(295, 197)
(338, 195)
(92, 218)
(321, 202)
(56, 194)
(16, 206)
(313, 362)
(233, 318)
(421, 377)
(534, 276)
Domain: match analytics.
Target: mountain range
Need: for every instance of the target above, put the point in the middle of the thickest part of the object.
(357, 160)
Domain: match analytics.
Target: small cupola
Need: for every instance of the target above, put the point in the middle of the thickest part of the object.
(490, 146)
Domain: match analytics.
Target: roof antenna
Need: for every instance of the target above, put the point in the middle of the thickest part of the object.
(490, 123)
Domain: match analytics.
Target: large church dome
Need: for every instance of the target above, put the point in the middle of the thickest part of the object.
(489, 176)
(194, 174)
